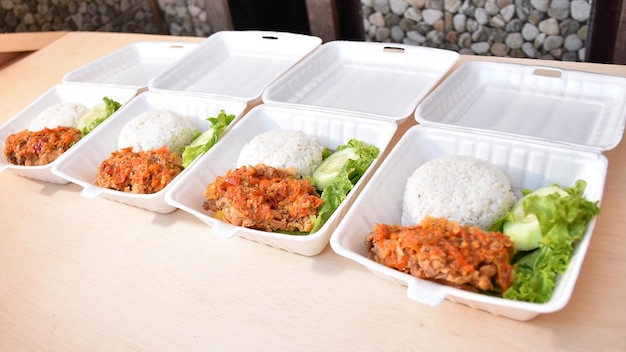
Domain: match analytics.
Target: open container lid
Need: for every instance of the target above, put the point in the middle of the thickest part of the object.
(132, 66)
(236, 64)
(380, 80)
(579, 109)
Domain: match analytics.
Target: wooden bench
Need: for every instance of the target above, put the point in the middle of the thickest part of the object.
(16, 45)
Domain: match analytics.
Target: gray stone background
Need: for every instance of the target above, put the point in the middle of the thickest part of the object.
(546, 29)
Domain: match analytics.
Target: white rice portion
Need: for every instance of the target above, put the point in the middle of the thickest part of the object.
(154, 129)
(61, 114)
(464, 189)
(283, 149)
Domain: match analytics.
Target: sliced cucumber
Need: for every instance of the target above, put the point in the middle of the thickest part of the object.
(90, 116)
(525, 232)
(203, 138)
(330, 167)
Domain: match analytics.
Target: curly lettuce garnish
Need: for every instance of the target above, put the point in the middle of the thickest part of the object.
(93, 117)
(203, 142)
(562, 220)
(351, 171)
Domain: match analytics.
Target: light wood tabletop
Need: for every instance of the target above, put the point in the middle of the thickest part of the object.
(80, 274)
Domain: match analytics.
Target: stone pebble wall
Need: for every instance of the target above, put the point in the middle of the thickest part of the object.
(187, 18)
(56, 15)
(546, 29)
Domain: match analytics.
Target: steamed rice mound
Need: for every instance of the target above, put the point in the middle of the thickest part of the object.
(154, 129)
(283, 149)
(61, 114)
(464, 189)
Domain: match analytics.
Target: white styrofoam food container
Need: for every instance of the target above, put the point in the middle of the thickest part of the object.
(528, 165)
(236, 64)
(476, 112)
(81, 165)
(131, 66)
(89, 95)
(377, 80)
(330, 129)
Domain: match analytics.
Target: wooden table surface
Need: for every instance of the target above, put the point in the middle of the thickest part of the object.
(80, 274)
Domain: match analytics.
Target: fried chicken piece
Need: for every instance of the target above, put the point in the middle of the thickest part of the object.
(264, 198)
(144, 172)
(30, 148)
(443, 251)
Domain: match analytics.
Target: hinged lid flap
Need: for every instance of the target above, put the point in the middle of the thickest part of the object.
(580, 109)
(379, 80)
(131, 66)
(236, 64)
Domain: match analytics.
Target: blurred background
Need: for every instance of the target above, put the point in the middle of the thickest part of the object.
(571, 30)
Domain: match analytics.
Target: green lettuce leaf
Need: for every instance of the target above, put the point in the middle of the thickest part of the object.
(563, 221)
(345, 180)
(203, 142)
(93, 117)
